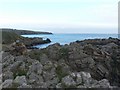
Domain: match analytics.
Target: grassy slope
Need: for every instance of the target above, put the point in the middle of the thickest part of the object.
(9, 37)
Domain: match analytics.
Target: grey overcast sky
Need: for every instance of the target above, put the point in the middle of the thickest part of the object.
(60, 16)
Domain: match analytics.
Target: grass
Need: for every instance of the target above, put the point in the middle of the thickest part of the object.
(64, 53)
(35, 55)
(60, 73)
(9, 37)
(19, 72)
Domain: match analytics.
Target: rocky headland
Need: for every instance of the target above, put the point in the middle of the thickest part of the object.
(9, 37)
(23, 32)
(92, 63)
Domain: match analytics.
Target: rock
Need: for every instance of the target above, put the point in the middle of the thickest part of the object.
(8, 58)
(75, 54)
(86, 77)
(7, 75)
(1, 79)
(87, 63)
(36, 67)
(68, 81)
(59, 85)
(53, 51)
(44, 59)
(48, 66)
(109, 47)
(77, 77)
(102, 71)
(101, 84)
(20, 80)
(7, 83)
(25, 86)
(15, 66)
(43, 85)
(48, 75)
(52, 83)
(34, 78)
(20, 48)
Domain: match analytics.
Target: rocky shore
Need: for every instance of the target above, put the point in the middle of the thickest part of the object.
(9, 37)
(92, 63)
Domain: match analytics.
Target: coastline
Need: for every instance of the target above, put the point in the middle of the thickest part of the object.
(92, 62)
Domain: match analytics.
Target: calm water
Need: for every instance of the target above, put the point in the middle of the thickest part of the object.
(67, 38)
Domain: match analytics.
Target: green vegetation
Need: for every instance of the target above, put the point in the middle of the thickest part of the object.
(9, 37)
(35, 54)
(19, 72)
(64, 53)
(60, 73)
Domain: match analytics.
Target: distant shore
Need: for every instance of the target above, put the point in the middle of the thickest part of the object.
(23, 32)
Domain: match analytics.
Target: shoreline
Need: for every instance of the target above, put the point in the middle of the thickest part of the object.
(89, 63)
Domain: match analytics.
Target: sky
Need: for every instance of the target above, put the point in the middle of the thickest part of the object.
(60, 16)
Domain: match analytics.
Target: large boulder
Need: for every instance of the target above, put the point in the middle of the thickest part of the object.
(7, 83)
(20, 80)
(36, 67)
(68, 81)
(19, 48)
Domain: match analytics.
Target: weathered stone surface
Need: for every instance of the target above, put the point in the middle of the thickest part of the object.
(20, 80)
(7, 83)
(7, 75)
(36, 67)
(34, 78)
(68, 81)
(25, 86)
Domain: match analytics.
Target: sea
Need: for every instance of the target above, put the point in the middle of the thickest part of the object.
(68, 38)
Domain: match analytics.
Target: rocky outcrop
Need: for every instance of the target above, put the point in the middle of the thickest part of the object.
(9, 37)
(80, 64)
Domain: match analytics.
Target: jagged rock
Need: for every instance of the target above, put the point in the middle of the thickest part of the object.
(25, 86)
(85, 77)
(109, 47)
(1, 79)
(59, 85)
(101, 84)
(43, 85)
(53, 51)
(15, 66)
(34, 78)
(85, 63)
(53, 82)
(44, 59)
(48, 66)
(36, 67)
(77, 77)
(75, 54)
(20, 80)
(7, 83)
(0, 68)
(60, 66)
(7, 75)
(102, 71)
(20, 48)
(68, 81)
(48, 75)
(7, 60)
